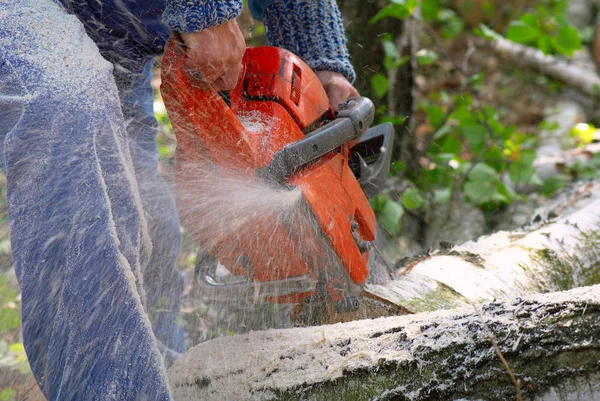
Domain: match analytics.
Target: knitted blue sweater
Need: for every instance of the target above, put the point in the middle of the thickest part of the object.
(312, 29)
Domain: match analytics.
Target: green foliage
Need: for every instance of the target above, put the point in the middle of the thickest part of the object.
(380, 85)
(412, 199)
(447, 20)
(546, 28)
(389, 213)
(10, 318)
(392, 58)
(7, 394)
(483, 186)
(399, 9)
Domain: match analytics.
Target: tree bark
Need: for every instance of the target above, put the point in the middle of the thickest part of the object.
(551, 342)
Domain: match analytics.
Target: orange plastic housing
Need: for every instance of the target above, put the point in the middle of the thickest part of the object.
(286, 92)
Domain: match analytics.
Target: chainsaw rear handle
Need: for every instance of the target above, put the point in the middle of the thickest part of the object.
(353, 119)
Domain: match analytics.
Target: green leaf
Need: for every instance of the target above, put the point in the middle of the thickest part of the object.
(390, 217)
(475, 134)
(411, 199)
(430, 10)
(389, 47)
(544, 44)
(435, 114)
(530, 19)
(377, 203)
(487, 32)
(452, 24)
(9, 319)
(520, 32)
(399, 9)
(392, 58)
(479, 192)
(483, 172)
(7, 394)
(553, 184)
(441, 132)
(442, 196)
(426, 56)
(482, 185)
(567, 40)
(451, 145)
(380, 85)
(522, 170)
(19, 350)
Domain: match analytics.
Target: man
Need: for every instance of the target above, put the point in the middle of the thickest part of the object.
(94, 230)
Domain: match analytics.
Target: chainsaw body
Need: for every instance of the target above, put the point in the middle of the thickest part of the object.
(333, 160)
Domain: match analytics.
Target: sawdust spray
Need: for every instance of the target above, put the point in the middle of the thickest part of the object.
(231, 213)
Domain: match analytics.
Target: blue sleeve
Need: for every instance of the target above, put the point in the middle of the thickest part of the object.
(312, 29)
(257, 8)
(197, 15)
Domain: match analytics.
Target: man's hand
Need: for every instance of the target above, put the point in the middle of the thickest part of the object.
(337, 87)
(217, 54)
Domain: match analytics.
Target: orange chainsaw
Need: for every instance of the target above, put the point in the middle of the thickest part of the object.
(334, 162)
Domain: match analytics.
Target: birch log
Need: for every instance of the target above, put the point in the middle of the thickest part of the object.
(584, 79)
(553, 253)
(551, 342)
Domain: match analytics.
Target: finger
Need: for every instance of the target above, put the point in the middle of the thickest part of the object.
(209, 71)
(229, 79)
(337, 96)
(203, 59)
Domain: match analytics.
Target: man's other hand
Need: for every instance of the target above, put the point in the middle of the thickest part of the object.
(217, 54)
(337, 87)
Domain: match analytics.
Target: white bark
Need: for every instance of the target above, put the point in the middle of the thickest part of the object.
(548, 340)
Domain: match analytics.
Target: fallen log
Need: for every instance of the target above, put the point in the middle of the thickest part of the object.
(585, 80)
(551, 343)
(553, 253)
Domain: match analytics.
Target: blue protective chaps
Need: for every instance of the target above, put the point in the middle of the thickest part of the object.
(94, 230)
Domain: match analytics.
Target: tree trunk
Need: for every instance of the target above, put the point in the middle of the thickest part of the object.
(551, 342)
